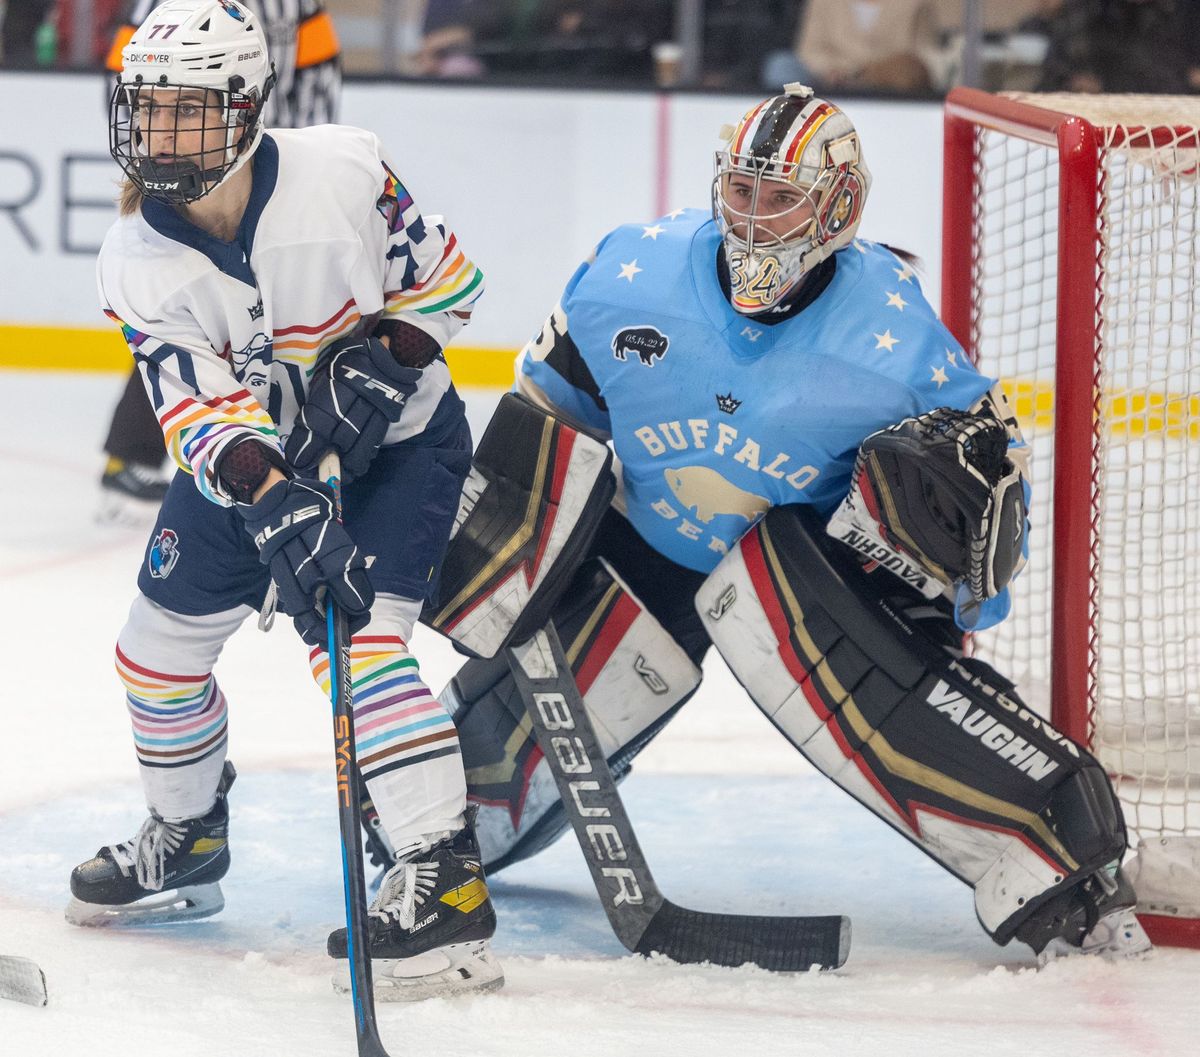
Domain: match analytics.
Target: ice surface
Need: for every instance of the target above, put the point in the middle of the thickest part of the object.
(730, 818)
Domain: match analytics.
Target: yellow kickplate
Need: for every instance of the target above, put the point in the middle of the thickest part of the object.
(206, 845)
(467, 897)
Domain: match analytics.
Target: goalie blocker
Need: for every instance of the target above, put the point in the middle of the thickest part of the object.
(938, 746)
(529, 508)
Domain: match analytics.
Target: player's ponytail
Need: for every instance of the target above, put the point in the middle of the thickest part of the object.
(131, 197)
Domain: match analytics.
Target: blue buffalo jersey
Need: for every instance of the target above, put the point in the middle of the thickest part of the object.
(716, 417)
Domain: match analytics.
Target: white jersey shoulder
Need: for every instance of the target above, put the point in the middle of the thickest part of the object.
(325, 156)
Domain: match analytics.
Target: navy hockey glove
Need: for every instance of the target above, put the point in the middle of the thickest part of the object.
(357, 392)
(300, 539)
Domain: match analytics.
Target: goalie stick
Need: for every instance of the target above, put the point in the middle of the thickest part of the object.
(22, 980)
(349, 821)
(643, 919)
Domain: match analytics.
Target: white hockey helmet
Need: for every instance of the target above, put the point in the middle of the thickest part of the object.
(214, 46)
(810, 145)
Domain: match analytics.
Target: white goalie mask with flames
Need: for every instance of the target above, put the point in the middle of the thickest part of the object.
(771, 240)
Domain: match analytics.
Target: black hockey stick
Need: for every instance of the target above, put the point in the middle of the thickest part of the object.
(358, 948)
(642, 918)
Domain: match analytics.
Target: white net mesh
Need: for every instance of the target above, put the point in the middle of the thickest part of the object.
(1146, 654)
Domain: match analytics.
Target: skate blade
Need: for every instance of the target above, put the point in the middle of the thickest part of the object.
(1115, 938)
(457, 968)
(22, 980)
(164, 908)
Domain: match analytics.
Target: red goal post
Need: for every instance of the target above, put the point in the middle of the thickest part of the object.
(1071, 270)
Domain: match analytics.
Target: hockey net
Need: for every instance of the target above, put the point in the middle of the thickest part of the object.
(1070, 259)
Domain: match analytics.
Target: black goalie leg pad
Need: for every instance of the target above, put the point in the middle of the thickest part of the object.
(940, 748)
(633, 678)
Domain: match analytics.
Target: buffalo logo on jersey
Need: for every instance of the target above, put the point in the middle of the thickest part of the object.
(727, 403)
(706, 493)
(648, 342)
(164, 554)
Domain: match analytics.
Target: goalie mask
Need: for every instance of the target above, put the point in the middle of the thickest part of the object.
(186, 111)
(789, 190)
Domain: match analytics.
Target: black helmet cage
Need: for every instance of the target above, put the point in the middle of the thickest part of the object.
(185, 178)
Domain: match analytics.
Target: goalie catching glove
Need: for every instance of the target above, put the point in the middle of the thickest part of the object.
(939, 501)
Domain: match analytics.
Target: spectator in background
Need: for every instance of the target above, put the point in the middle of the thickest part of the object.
(733, 34)
(448, 39)
(585, 38)
(104, 15)
(866, 44)
(22, 19)
(1124, 46)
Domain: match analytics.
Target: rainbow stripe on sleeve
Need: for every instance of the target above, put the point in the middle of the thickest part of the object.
(133, 338)
(394, 200)
(454, 284)
(195, 430)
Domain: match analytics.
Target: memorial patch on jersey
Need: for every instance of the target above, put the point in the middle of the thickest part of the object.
(649, 343)
(164, 554)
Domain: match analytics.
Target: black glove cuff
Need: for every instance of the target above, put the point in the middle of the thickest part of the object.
(243, 466)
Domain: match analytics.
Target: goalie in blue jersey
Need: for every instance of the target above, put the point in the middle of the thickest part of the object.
(811, 475)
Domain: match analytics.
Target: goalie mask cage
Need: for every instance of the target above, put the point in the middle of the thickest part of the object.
(1069, 270)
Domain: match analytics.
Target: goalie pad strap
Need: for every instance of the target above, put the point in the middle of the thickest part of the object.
(940, 748)
(632, 675)
(529, 508)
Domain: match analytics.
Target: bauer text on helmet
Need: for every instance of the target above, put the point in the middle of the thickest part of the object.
(185, 114)
(789, 190)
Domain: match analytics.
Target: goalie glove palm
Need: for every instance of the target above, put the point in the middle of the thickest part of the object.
(942, 490)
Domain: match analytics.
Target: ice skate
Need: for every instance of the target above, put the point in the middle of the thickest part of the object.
(430, 925)
(167, 873)
(130, 494)
(1096, 917)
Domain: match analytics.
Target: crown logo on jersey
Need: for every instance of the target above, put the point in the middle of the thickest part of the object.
(257, 311)
(727, 403)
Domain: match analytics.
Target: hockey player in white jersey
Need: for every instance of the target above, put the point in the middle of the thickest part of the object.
(308, 81)
(814, 478)
(283, 296)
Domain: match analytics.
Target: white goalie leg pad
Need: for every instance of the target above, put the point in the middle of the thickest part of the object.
(942, 756)
(1165, 873)
(631, 674)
